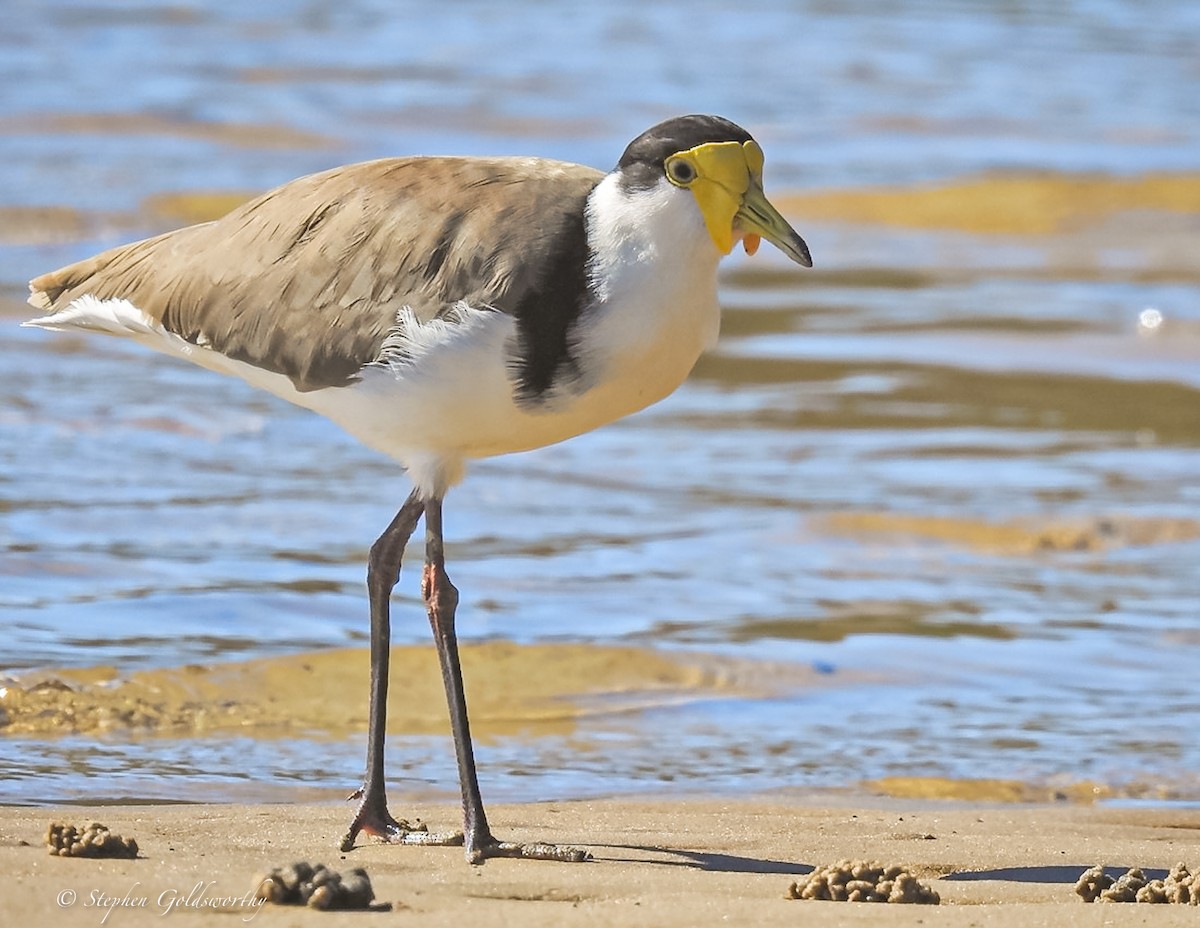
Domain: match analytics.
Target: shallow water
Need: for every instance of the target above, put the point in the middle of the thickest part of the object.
(778, 506)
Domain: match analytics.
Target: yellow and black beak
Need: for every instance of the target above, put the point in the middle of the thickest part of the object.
(726, 179)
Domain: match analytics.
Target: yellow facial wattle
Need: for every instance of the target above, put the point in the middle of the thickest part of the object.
(726, 180)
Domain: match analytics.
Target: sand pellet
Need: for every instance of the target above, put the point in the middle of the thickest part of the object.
(1181, 886)
(94, 840)
(317, 886)
(862, 881)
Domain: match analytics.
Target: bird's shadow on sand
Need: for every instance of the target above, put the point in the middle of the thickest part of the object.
(704, 860)
(732, 863)
(1065, 873)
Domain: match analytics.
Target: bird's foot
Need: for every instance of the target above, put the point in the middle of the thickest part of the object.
(373, 818)
(535, 851)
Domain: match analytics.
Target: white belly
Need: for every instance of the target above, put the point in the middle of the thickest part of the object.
(455, 401)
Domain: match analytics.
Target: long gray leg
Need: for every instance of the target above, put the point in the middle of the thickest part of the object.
(383, 570)
(441, 599)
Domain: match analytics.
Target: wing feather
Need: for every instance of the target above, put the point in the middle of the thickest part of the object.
(309, 279)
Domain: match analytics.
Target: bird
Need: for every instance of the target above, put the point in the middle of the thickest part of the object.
(444, 309)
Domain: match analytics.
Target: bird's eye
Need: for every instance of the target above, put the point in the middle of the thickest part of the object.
(680, 172)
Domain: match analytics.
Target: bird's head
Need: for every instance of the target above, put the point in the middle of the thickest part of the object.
(721, 166)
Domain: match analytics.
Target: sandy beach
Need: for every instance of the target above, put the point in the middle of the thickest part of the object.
(656, 862)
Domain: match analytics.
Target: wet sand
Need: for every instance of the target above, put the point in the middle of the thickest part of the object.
(512, 688)
(663, 863)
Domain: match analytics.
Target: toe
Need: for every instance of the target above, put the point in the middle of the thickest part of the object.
(564, 853)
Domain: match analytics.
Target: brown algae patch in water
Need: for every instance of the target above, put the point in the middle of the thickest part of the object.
(873, 617)
(189, 207)
(1003, 204)
(539, 689)
(1016, 537)
(243, 135)
(41, 225)
(985, 790)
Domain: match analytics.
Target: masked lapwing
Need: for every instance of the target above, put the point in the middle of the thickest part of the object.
(443, 309)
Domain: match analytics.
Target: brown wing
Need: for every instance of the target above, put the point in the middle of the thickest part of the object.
(307, 280)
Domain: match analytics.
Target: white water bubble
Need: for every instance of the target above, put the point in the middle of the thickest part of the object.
(1149, 319)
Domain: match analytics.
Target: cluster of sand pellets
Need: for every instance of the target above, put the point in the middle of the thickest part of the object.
(317, 886)
(1180, 886)
(860, 881)
(93, 841)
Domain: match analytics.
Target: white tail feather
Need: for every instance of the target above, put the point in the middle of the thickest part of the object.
(113, 317)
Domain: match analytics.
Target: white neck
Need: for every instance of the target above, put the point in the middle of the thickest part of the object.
(647, 234)
(654, 275)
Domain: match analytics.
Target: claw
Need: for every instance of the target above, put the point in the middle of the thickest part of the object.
(400, 833)
(373, 818)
